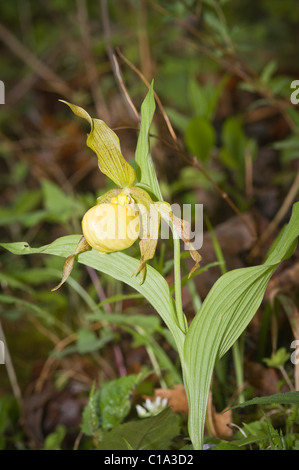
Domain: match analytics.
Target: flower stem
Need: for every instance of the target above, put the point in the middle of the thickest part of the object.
(178, 284)
(238, 365)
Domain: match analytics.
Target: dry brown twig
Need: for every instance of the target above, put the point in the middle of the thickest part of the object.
(113, 61)
(146, 63)
(288, 201)
(228, 59)
(191, 160)
(11, 370)
(59, 347)
(242, 70)
(89, 61)
(41, 69)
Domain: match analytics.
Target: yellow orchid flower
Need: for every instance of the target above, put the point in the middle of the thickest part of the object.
(112, 226)
(124, 214)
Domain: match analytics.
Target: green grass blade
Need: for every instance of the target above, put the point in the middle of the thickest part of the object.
(288, 398)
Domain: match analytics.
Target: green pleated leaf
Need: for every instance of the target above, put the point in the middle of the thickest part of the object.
(223, 316)
(105, 143)
(145, 171)
(118, 265)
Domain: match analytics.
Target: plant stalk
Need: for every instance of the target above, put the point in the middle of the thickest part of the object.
(182, 322)
(238, 365)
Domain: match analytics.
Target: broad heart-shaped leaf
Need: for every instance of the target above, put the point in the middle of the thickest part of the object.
(145, 171)
(120, 266)
(223, 316)
(105, 143)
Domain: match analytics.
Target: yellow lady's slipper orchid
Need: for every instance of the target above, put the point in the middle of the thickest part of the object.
(111, 226)
(123, 214)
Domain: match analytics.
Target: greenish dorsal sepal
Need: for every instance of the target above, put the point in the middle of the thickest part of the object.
(105, 143)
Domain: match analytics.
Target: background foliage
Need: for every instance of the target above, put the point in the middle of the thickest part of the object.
(223, 71)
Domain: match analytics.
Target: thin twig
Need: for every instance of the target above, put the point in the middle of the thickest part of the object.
(146, 82)
(286, 378)
(20, 88)
(90, 66)
(78, 440)
(123, 89)
(59, 347)
(10, 369)
(114, 64)
(191, 160)
(146, 63)
(229, 60)
(51, 360)
(47, 74)
(279, 216)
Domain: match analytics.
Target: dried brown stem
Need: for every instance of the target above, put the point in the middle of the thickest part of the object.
(114, 64)
(10, 369)
(146, 63)
(121, 85)
(228, 60)
(60, 346)
(89, 61)
(191, 160)
(288, 201)
(42, 70)
(146, 82)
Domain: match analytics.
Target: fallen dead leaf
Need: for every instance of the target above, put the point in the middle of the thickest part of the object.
(218, 423)
(235, 240)
(177, 400)
(176, 397)
(285, 281)
(265, 380)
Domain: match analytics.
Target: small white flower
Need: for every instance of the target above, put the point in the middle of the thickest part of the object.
(151, 407)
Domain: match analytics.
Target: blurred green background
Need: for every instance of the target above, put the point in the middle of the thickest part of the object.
(223, 71)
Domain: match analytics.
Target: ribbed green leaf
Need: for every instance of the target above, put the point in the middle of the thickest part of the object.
(288, 398)
(225, 313)
(223, 316)
(145, 172)
(118, 265)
